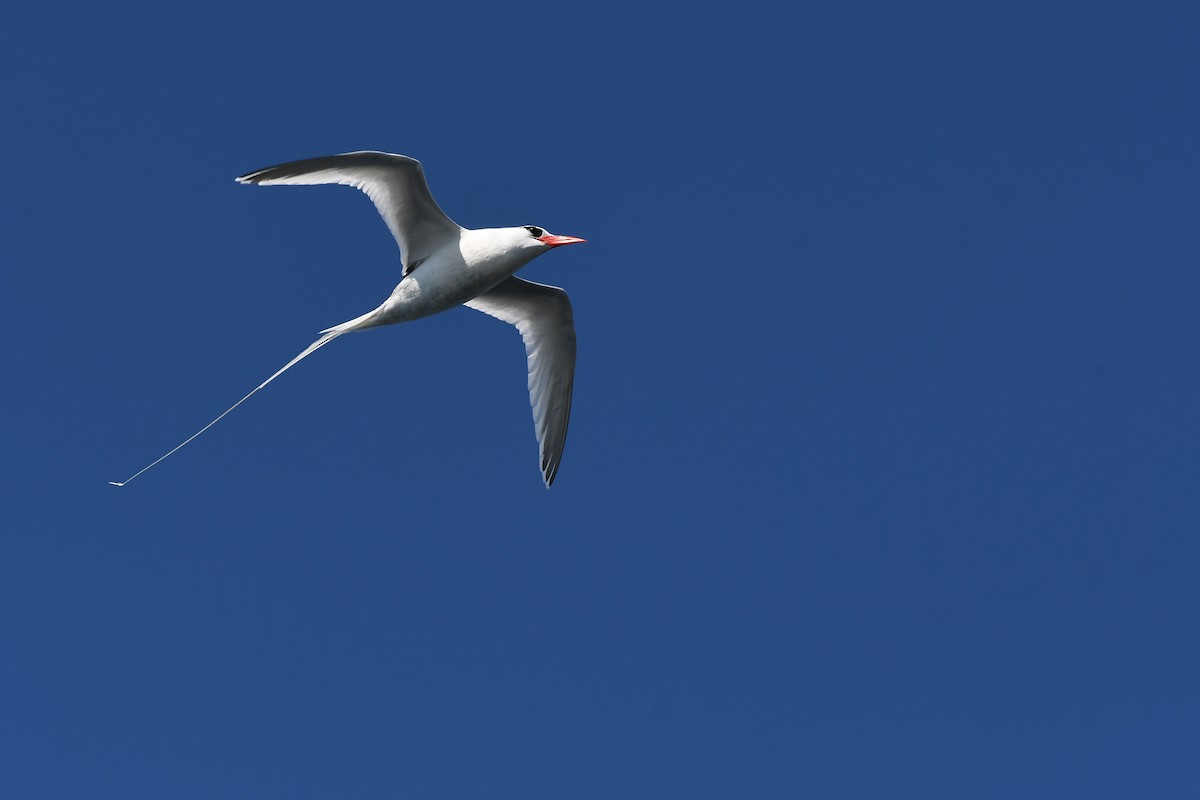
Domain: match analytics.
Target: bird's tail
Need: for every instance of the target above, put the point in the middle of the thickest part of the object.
(327, 336)
(367, 320)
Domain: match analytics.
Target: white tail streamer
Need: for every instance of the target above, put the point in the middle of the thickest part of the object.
(326, 337)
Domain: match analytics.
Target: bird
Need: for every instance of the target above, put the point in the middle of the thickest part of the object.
(445, 265)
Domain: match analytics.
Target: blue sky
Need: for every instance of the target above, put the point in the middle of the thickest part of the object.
(882, 473)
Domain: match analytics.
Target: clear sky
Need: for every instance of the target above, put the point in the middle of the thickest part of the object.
(883, 478)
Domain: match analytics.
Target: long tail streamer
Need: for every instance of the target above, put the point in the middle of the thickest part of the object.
(326, 338)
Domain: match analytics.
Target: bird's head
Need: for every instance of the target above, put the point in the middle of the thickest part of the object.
(515, 246)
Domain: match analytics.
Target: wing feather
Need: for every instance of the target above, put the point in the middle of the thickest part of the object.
(396, 185)
(542, 314)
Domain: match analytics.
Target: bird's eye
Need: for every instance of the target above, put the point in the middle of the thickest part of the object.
(535, 231)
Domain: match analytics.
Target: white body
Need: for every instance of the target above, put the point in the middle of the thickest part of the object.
(451, 276)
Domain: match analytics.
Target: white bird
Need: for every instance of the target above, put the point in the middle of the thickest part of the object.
(446, 265)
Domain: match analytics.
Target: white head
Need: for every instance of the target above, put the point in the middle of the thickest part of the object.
(523, 243)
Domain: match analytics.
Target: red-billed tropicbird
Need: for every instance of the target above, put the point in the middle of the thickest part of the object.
(446, 265)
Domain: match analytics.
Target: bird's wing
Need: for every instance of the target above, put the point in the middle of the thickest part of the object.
(396, 184)
(543, 316)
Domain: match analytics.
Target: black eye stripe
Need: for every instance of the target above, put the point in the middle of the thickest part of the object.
(535, 231)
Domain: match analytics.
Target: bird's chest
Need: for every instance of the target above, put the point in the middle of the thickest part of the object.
(440, 284)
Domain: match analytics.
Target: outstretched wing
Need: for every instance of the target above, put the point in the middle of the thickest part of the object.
(395, 184)
(543, 317)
